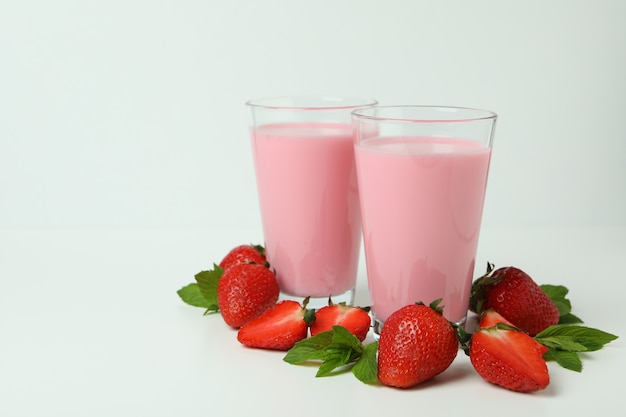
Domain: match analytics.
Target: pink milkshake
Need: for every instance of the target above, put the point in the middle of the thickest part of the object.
(309, 205)
(423, 201)
(422, 175)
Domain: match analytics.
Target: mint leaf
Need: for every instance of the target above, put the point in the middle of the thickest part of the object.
(366, 368)
(563, 337)
(344, 339)
(191, 295)
(555, 292)
(568, 360)
(568, 344)
(565, 341)
(345, 348)
(309, 349)
(564, 306)
(558, 293)
(207, 284)
(569, 319)
(336, 348)
(330, 364)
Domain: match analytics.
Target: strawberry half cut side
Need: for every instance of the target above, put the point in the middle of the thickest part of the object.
(507, 356)
(279, 328)
(355, 319)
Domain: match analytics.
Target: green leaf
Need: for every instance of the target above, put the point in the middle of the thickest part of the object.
(568, 360)
(565, 341)
(207, 284)
(335, 348)
(366, 368)
(343, 337)
(214, 309)
(344, 349)
(592, 339)
(340, 352)
(557, 293)
(564, 306)
(568, 344)
(569, 319)
(330, 364)
(309, 349)
(191, 295)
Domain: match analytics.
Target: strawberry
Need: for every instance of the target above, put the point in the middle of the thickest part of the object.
(244, 254)
(279, 328)
(246, 291)
(514, 294)
(507, 356)
(355, 319)
(416, 343)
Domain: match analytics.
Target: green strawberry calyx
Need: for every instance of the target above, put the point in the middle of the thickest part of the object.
(309, 313)
(344, 304)
(435, 305)
(259, 248)
(480, 287)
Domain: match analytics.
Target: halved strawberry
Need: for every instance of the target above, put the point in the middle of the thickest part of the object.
(279, 328)
(355, 319)
(244, 254)
(507, 356)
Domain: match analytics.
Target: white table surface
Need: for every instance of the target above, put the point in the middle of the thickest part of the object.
(90, 325)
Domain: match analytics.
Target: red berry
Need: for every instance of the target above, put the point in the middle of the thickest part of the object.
(416, 343)
(514, 294)
(244, 254)
(279, 328)
(355, 319)
(507, 356)
(246, 291)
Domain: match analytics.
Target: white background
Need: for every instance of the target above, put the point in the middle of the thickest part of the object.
(129, 114)
(125, 168)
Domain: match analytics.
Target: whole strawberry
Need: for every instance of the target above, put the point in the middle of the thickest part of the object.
(279, 328)
(355, 319)
(246, 291)
(416, 343)
(244, 254)
(514, 294)
(507, 356)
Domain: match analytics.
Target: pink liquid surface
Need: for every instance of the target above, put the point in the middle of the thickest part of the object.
(309, 202)
(422, 202)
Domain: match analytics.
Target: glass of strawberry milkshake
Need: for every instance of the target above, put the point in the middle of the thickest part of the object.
(306, 181)
(422, 175)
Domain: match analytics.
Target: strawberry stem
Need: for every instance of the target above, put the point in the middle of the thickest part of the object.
(309, 314)
(479, 289)
(463, 336)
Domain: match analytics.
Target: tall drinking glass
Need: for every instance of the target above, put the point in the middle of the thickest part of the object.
(306, 181)
(422, 175)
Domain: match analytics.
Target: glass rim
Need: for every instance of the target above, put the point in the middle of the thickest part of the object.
(478, 114)
(297, 103)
